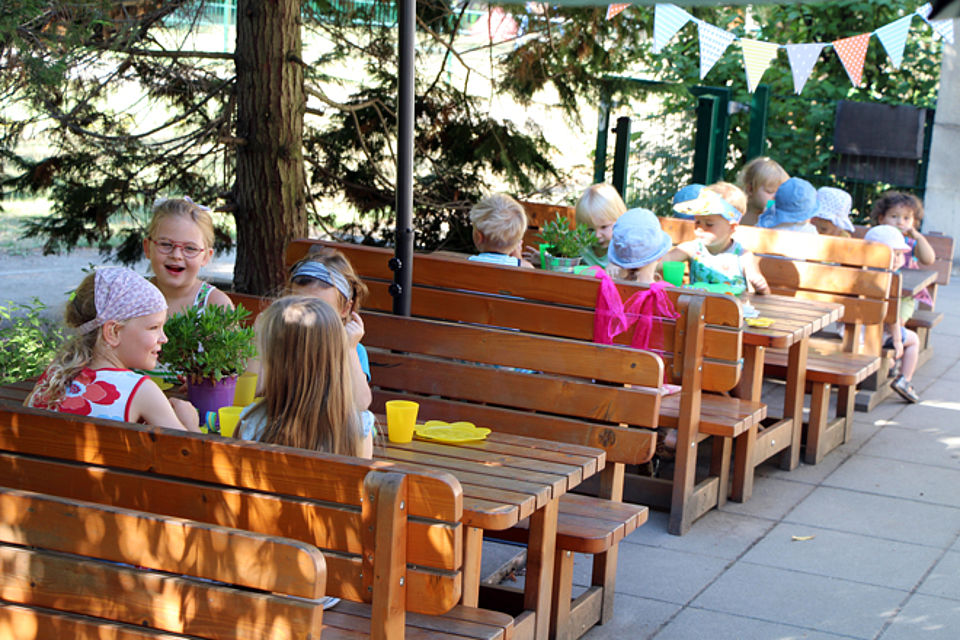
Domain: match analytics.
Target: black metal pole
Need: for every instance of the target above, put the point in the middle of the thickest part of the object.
(402, 263)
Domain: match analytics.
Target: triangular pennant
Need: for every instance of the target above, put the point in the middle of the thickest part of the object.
(713, 42)
(667, 20)
(802, 59)
(757, 56)
(893, 37)
(943, 27)
(924, 10)
(852, 52)
(614, 9)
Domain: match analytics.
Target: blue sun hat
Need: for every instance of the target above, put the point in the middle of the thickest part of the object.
(708, 203)
(835, 207)
(888, 235)
(686, 194)
(795, 202)
(637, 240)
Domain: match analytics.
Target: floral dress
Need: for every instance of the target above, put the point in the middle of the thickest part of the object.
(98, 393)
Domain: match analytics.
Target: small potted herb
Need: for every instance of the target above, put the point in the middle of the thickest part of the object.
(209, 348)
(563, 246)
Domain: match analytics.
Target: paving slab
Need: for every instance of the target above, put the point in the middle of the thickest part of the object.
(943, 579)
(838, 554)
(772, 498)
(918, 482)
(665, 574)
(925, 618)
(878, 515)
(780, 596)
(933, 445)
(719, 534)
(715, 625)
(635, 618)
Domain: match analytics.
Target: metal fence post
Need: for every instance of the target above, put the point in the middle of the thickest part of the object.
(719, 129)
(704, 139)
(758, 121)
(600, 154)
(621, 156)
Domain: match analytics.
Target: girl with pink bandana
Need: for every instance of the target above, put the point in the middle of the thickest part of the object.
(117, 317)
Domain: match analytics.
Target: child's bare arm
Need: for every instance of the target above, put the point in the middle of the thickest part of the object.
(894, 330)
(150, 406)
(922, 251)
(751, 272)
(680, 253)
(361, 388)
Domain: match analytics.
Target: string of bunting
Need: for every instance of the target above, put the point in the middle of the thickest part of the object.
(758, 55)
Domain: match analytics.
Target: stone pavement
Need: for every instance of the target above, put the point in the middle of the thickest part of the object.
(883, 511)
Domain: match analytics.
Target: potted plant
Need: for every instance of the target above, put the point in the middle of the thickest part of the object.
(209, 348)
(562, 245)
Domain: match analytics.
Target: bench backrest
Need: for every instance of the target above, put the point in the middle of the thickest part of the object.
(60, 558)
(848, 271)
(518, 383)
(544, 303)
(318, 498)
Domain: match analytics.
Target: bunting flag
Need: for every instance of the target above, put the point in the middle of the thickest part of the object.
(713, 42)
(893, 37)
(757, 56)
(852, 52)
(802, 59)
(614, 9)
(667, 20)
(943, 27)
(924, 11)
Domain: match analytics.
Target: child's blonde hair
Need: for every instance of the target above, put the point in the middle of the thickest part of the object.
(335, 260)
(501, 220)
(892, 199)
(183, 208)
(732, 194)
(307, 387)
(761, 171)
(600, 204)
(76, 353)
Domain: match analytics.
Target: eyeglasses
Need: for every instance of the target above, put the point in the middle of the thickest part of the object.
(166, 248)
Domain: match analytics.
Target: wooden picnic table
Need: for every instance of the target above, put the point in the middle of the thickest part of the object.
(913, 281)
(505, 479)
(794, 321)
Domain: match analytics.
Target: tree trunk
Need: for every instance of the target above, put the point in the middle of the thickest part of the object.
(270, 183)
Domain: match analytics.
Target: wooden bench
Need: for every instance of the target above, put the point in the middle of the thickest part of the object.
(73, 569)
(561, 305)
(843, 270)
(568, 398)
(391, 535)
(925, 318)
(540, 214)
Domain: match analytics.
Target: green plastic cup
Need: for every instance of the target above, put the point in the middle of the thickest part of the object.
(673, 272)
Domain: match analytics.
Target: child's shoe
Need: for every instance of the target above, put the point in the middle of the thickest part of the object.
(905, 389)
(894, 371)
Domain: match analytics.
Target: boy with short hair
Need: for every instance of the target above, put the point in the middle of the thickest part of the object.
(499, 222)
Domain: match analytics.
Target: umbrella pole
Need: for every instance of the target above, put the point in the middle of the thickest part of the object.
(402, 264)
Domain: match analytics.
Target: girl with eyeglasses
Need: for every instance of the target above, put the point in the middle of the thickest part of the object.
(179, 242)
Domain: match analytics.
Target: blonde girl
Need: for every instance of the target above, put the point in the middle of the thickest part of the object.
(760, 179)
(179, 243)
(307, 395)
(118, 320)
(599, 208)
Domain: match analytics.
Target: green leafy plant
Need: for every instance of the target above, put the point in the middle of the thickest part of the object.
(565, 242)
(208, 345)
(28, 343)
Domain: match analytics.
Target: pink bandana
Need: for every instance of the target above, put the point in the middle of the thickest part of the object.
(121, 294)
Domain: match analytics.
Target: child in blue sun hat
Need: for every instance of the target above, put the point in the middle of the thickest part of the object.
(636, 247)
(686, 194)
(794, 204)
(714, 256)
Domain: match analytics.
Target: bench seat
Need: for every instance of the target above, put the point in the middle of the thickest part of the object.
(924, 319)
(719, 415)
(352, 619)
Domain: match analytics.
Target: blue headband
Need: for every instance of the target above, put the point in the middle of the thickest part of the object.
(320, 271)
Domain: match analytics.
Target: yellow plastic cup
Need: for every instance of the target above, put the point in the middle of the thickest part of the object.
(229, 416)
(401, 419)
(246, 389)
(673, 272)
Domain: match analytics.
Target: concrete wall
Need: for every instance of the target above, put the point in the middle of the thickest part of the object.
(942, 202)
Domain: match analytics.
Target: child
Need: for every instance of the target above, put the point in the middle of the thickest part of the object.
(498, 226)
(715, 257)
(904, 342)
(905, 212)
(833, 215)
(760, 179)
(118, 319)
(307, 394)
(686, 194)
(599, 208)
(179, 242)
(326, 274)
(732, 194)
(794, 204)
(636, 246)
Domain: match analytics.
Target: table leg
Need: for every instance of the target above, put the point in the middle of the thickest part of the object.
(472, 550)
(541, 546)
(793, 401)
(749, 387)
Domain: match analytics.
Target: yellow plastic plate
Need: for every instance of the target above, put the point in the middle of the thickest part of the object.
(763, 323)
(440, 431)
